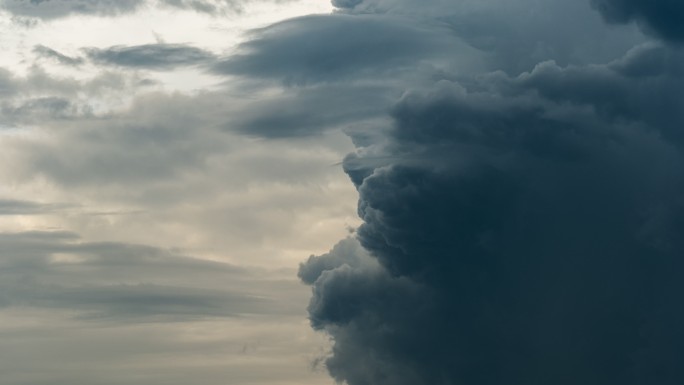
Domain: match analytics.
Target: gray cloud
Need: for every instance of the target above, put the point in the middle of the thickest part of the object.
(114, 280)
(43, 109)
(48, 52)
(347, 252)
(661, 18)
(206, 6)
(517, 35)
(153, 56)
(290, 114)
(18, 207)
(527, 228)
(332, 48)
(8, 83)
(43, 98)
(51, 9)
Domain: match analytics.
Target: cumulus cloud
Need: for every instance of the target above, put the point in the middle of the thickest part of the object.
(526, 229)
(537, 235)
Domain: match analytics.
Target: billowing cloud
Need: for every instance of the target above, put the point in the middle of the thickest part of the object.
(661, 18)
(527, 230)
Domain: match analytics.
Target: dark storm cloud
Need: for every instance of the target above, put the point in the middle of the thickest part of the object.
(153, 56)
(347, 252)
(644, 87)
(331, 48)
(663, 18)
(52, 9)
(48, 52)
(116, 280)
(528, 230)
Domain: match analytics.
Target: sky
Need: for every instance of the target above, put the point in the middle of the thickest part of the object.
(368, 192)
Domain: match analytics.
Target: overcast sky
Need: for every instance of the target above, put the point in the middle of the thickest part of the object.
(375, 192)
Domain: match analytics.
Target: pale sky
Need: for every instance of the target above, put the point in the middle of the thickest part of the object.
(127, 185)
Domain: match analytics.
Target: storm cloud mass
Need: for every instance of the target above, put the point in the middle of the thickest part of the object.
(519, 228)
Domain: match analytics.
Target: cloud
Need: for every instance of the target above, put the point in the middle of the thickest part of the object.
(8, 85)
(52, 9)
(18, 207)
(347, 252)
(515, 35)
(660, 18)
(206, 6)
(333, 48)
(44, 108)
(158, 56)
(48, 52)
(56, 270)
(42, 98)
(527, 228)
(289, 113)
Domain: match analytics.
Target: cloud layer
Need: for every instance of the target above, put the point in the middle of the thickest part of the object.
(50, 9)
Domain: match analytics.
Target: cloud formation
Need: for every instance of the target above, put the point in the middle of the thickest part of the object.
(331, 48)
(661, 18)
(206, 6)
(158, 56)
(124, 281)
(17, 207)
(52, 9)
(48, 52)
(525, 228)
